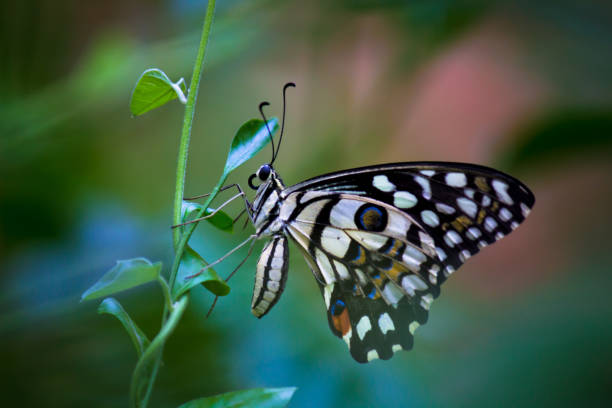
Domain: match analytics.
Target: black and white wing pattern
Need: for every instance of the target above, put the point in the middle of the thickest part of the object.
(381, 240)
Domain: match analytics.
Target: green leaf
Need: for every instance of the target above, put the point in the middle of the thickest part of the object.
(220, 220)
(112, 307)
(250, 138)
(191, 264)
(256, 397)
(124, 275)
(155, 89)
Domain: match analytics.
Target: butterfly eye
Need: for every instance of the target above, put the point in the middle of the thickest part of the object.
(264, 172)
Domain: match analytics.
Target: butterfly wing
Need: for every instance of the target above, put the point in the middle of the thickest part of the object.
(462, 207)
(381, 240)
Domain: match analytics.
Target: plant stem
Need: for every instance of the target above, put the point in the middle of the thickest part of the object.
(151, 356)
(171, 317)
(192, 97)
(166, 292)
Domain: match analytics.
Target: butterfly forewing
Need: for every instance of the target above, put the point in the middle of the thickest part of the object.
(382, 239)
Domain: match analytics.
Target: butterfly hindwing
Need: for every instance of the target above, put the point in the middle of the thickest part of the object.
(374, 282)
(372, 329)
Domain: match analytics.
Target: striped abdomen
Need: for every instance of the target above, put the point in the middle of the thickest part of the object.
(271, 275)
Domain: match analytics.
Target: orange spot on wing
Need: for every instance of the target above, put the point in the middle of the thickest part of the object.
(342, 323)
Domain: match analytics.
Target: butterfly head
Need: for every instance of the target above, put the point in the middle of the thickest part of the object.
(263, 174)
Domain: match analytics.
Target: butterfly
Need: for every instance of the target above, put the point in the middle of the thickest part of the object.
(380, 240)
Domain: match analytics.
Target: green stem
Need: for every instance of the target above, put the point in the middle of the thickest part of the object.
(192, 97)
(150, 358)
(171, 315)
(166, 292)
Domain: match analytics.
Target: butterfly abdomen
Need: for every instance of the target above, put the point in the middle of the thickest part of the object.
(271, 276)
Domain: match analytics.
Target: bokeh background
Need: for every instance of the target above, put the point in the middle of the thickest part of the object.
(524, 86)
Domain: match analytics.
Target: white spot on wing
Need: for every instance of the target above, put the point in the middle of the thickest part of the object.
(490, 224)
(335, 241)
(392, 293)
(501, 189)
(397, 224)
(427, 173)
(413, 326)
(456, 179)
(427, 243)
(372, 355)
(347, 337)
(433, 273)
(525, 210)
(404, 199)
(413, 258)
(505, 214)
(342, 270)
(396, 347)
(370, 240)
(467, 206)
(382, 183)
(426, 301)
(444, 208)
(324, 266)
(410, 283)
(430, 218)
(424, 183)
(287, 207)
(363, 327)
(327, 292)
(441, 254)
(385, 323)
(452, 238)
(342, 215)
(473, 233)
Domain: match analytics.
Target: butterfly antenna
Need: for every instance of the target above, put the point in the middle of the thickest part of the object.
(261, 105)
(287, 85)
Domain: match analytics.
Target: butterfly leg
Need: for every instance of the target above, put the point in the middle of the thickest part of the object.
(246, 241)
(232, 274)
(240, 194)
(207, 194)
(247, 204)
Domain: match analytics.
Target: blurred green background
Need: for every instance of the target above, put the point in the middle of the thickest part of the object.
(522, 86)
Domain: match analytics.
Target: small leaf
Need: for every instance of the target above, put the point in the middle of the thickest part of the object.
(250, 138)
(191, 264)
(112, 307)
(256, 397)
(124, 275)
(155, 89)
(220, 220)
